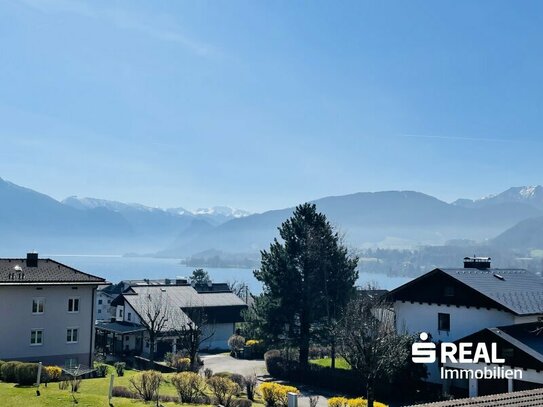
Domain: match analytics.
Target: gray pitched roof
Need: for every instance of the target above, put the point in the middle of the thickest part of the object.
(518, 290)
(177, 298)
(48, 272)
(516, 398)
(185, 296)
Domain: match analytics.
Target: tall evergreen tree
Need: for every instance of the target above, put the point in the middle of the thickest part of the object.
(308, 277)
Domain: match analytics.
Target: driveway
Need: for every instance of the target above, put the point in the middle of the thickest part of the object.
(225, 363)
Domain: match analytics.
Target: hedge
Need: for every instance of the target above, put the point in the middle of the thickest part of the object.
(26, 373)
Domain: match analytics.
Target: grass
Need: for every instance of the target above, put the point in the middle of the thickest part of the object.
(92, 392)
(326, 362)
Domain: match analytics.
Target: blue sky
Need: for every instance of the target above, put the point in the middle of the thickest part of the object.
(266, 104)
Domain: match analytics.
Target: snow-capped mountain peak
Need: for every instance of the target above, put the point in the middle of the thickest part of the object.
(222, 211)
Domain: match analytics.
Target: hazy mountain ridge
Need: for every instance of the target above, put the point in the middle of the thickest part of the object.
(369, 219)
(531, 195)
(393, 219)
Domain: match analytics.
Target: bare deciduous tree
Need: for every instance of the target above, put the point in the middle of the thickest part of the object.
(156, 314)
(368, 341)
(240, 288)
(191, 332)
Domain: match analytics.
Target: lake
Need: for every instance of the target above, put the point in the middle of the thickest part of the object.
(117, 268)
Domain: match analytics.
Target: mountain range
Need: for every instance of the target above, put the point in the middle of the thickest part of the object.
(389, 219)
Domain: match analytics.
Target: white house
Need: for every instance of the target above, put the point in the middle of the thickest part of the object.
(451, 303)
(128, 333)
(46, 311)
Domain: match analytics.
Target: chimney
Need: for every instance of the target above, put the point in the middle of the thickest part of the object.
(481, 263)
(32, 259)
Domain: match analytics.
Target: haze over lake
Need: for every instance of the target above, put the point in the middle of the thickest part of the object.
(116, 268)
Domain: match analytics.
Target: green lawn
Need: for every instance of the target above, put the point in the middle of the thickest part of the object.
(325, 362)
(92, 392)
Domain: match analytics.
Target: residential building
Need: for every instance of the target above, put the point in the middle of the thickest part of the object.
(47, 311)
(105, 294)
(520, 346)
(128, 331)
(452, 303)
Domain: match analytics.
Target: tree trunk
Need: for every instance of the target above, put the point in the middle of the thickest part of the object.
(304, 343)
(333, 354)
(152, 349)
(369, 391)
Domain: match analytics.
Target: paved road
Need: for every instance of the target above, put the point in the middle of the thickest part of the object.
(226, 363)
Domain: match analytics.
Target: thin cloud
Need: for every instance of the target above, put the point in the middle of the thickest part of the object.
(457, 138)
(123, 20)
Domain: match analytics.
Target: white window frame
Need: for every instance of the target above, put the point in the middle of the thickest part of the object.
(73, 299)
(38, 301)
(71, 330)
(36, 330)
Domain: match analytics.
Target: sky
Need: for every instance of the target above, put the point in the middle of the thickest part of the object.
(266, 104)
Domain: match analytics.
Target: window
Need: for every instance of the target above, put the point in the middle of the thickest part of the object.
(449, 291)
(99, 311)
(99, 302)
(73, 304)
(443, 322)
(36, 337)
(129, 316)
(72, 335)
(37, 305)
(109, 301)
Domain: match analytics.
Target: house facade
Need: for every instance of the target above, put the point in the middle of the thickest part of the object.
(450, 304)
(128, 331)
(47, 311)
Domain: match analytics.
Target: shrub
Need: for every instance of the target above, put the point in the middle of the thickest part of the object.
(250, 384)
(63, 385)
(223, 389)
(255, 348)
(189, 385)
(1, 363)
(208, 373)
(122, 391)
(241, 403)
(235, 377)
(146, 384)
(236, 343)
(274, 362)
(275, 394)
(8, 372)
(168, 358)
(52, 373)
(181, 364)
(357, 402)
(338, 402)
(119, 368)
(101, 370)
(238, 379)
(26, 373)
